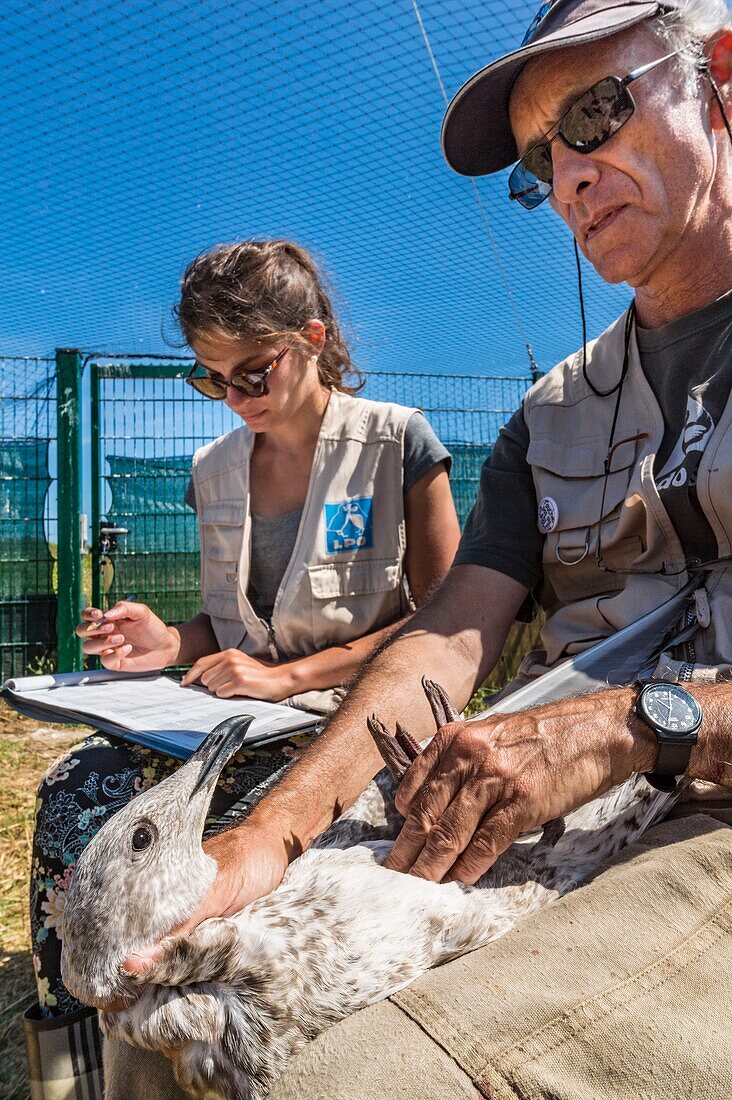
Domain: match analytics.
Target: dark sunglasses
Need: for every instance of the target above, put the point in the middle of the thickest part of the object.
(586, 125)
(252, 383)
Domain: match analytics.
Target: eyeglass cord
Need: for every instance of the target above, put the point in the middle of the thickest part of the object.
(629, 320)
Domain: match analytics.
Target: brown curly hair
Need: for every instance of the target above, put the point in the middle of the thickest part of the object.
(262, 290)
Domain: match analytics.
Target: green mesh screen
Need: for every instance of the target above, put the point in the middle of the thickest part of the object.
(27, 444)
(158, 557)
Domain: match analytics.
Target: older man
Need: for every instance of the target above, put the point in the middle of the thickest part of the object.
(606, 488)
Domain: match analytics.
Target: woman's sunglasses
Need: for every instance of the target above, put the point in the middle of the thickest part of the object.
(252, 383)
(586, 125)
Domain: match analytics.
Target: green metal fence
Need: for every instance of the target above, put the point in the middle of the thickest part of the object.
(132, 467)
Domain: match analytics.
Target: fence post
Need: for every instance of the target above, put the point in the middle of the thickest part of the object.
(68, 383)
(96, 464)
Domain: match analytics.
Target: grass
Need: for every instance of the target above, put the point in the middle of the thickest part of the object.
(26, 750)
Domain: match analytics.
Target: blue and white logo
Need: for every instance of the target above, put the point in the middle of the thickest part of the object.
(348, 526)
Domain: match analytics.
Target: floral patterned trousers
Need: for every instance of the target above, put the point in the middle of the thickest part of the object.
(77, 795)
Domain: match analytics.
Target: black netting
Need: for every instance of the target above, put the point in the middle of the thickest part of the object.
(136, 135)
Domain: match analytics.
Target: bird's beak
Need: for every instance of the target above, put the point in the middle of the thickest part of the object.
(217, 750)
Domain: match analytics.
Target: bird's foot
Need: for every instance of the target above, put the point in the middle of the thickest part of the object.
(400, 750)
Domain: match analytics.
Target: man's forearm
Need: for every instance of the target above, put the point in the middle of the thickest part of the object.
(333, 772)
(711, 757)
(331, 775)
(328, 778)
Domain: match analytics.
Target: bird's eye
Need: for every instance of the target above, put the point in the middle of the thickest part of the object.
(141, 839)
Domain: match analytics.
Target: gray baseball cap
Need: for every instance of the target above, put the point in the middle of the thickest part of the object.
(476, 132)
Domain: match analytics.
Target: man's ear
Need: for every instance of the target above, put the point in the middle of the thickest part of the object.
(720, 70)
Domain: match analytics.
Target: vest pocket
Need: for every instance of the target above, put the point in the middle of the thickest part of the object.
(350, 599)
(570, 549)
(223, 610)
(353, 578)
(570, 556)
(222, 531)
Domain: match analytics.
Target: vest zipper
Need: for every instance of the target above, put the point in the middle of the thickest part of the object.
(687, 669)
(274, 650)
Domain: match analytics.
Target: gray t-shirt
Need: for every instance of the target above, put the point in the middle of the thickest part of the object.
(273, 537)
(688, 365)
(273, 540)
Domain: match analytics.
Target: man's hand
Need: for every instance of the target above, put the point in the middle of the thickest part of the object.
(232, 672)
(251, 862)
(479, 785)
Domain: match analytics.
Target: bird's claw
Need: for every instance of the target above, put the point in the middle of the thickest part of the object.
(398, 752)
(444, 710)
(552, 832)
(392, 753)
(407, 742)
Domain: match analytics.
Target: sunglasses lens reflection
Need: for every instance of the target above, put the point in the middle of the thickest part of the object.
(209, 387)
(526, 187)
(537, 164)
(252, 385)
(596, 115)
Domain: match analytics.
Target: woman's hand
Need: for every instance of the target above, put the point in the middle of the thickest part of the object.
(479, 785)
(128, 638)
(231, 672)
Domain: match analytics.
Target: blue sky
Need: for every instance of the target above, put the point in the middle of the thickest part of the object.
(139, 134)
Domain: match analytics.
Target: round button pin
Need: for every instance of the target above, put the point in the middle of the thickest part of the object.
(548, 515)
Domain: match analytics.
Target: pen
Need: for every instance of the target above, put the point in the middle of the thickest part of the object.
(99, 622)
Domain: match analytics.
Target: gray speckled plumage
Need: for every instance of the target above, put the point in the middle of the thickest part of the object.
(240, 996)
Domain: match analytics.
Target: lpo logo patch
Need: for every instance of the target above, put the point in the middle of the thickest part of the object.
(348, 526)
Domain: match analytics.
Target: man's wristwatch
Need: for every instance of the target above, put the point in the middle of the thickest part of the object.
(675, 716)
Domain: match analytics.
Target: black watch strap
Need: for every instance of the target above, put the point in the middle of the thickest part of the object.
(672, 761)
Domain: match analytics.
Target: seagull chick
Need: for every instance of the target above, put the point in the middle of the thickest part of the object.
(231, 1003)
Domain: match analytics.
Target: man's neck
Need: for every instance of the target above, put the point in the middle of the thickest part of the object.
(657, 310)
(696, 273)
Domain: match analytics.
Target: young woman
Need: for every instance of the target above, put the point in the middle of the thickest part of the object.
(322, 519)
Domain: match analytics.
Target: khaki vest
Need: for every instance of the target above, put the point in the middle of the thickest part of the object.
(345, 577)
(569, 429)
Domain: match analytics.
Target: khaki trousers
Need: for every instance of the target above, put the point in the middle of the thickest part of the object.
(620, 991)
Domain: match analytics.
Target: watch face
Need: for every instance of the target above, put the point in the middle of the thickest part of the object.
(671, 708)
